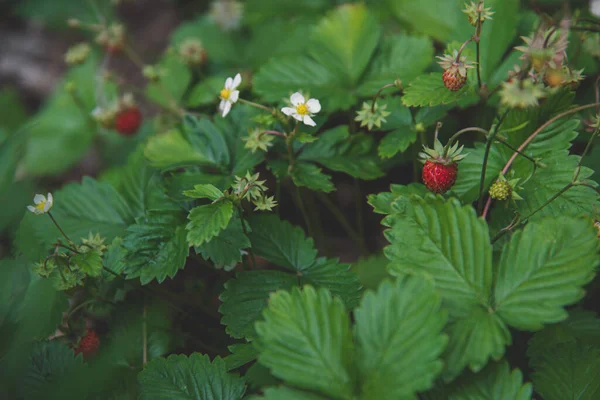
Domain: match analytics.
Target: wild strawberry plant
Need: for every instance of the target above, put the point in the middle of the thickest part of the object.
(199, 262)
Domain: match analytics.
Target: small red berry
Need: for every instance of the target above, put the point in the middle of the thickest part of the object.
(88, 345)
(441, 166)
(453, 80)
(128, 121)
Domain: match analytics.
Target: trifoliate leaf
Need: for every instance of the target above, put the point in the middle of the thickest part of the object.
(207, 191)
(193, 377)
(305, 339)
(308, 175)
(345, 39)
(496, 381)
(339, 151)
(241, 354)
(399, 340)
(542, 269)
(400, 57)
(155, 247)
(429, 90)
(207, 221)
(225, 249)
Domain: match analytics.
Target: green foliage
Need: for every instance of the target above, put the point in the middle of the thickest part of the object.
(429, 90)
(177, 377)
(207, 221)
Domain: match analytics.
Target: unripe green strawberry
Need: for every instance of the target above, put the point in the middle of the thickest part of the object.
(501, 190)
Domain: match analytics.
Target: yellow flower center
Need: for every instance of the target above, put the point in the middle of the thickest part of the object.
(41, 205)
(302, 109)
(225, 93)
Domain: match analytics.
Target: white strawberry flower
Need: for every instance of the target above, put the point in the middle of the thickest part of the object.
(229, 94)
(42, 203)
(302, 110)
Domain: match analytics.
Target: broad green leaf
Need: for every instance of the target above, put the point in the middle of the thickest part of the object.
(371, 271)
(207, 191)
(11, 151)
(432, 17)
(305, 339)
(568, 371)
(155, 247)
(281, 243)
(180, 377)
(207, 91)
(429, 90)
(345, 39)
(396, 142)
(225, 249)
(495, 382)
(382, 202)
(339, 151)
(258, 376)
(306, 174)
(497, 34)
(90, 263)
(399, 340)
(281, 77)
(246, 296)
(401, 126)
(49, 360)
(172, 84)
(171, 150)
(400, 57)
(241, 354)
(287, 394)
(448, 243)
(543, 269)
(259, 11)
(13, 112)
(207, 221)
(335, 276)
(208, 139)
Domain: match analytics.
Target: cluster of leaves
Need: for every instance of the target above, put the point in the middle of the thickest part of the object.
(183, 258)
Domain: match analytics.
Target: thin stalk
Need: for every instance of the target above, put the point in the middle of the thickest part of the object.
(305, 215)
(275, 133)
(488, 146)
(60, 229)
(80, 306)
(339, 215)
(477, 51)
(243, 219)
(470, 129)
(389, 85)
(256, 105)
(144, 336)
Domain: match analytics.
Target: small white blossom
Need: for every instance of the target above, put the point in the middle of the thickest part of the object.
(302, 110)
(42, 203)
(229, 94)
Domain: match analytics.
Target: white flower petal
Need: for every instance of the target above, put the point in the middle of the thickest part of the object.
(288, 110)
(228, 83)
(226, 108)
(314, 106)
(297, 99)
(47, 206)
(297, 116)
(39, 198)
(32, 209)
(233, 97)
(309, 121)
(50, 199)
(236, 81)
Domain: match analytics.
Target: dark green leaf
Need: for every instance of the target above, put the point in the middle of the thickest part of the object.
(308, 175)
(241, 354)
(225, 249)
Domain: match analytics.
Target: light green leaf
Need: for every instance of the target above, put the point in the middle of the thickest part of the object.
(241, 354)
(207, 91)
(305, 339)
(207, 221)
(429, 90)
(382, 202)
(172, 84)
(306, 174)
(171, 150)
(90, 262)
(400, 57)
(207, 191)
(286, 393)
(225, 249)
(339, 151)
(179, 377)
(495, 382)
(155, 247)
(246, 296)
(568, 371)
(345, 39)
(432, 17)
(543, 269)
(396, 142)
(12, 109)
(398, 331)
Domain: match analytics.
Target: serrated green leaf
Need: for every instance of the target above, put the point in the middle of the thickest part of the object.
(400, 57)
(568, 371)
(542, 270)
(193, 377)
(90, 262)
(155, 247)
(495, 382)
(382, 202)
(206, 191)
(429, 90)
(396, 142)
(306, 174)
(345, 39)
(339, 151)
(371, 271)
(241, 354)
(286, 393)
(171, 150)
(207, 221)
(225, 249)
(398, 331)
(305, 339)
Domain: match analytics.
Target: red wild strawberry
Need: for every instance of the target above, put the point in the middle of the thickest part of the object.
(88, 345)
(455, 70)
(128, 121)
(441, 166)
